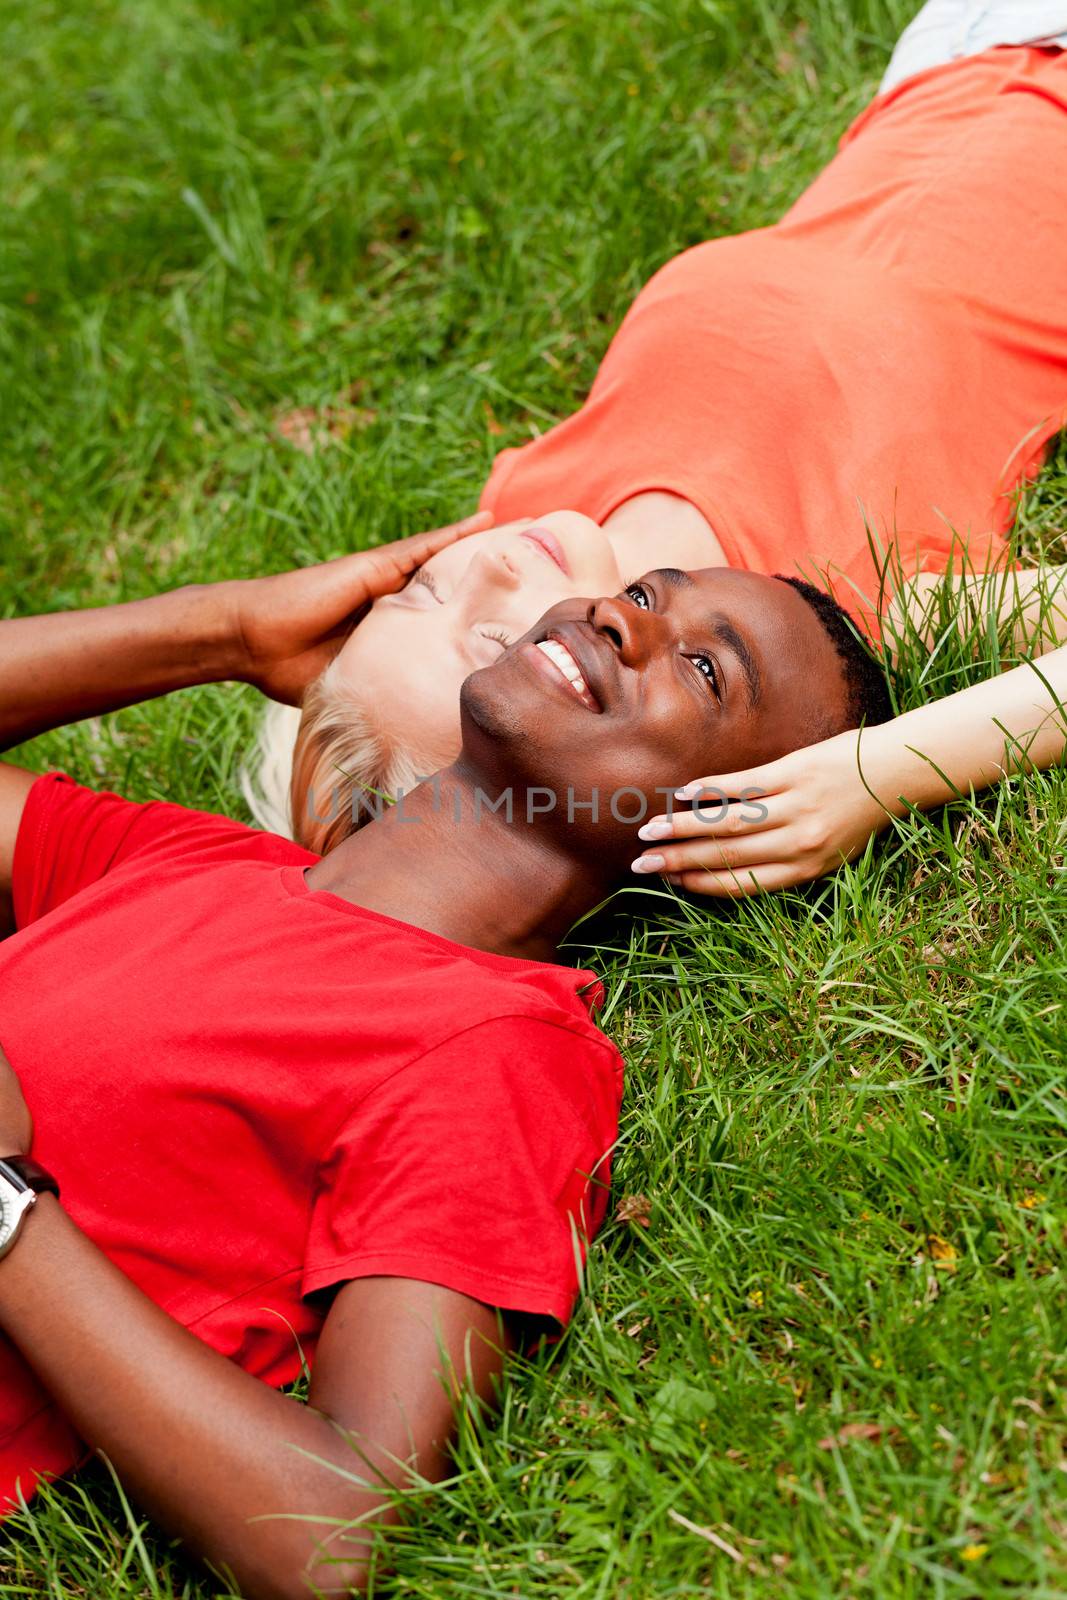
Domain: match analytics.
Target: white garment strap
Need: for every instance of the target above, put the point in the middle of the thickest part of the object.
(945, 30)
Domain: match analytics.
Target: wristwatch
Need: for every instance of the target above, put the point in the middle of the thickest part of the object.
(21, 1181)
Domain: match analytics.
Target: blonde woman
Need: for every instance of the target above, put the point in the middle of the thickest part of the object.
(853, 395)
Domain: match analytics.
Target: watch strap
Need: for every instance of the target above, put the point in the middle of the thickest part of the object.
(32, 1174)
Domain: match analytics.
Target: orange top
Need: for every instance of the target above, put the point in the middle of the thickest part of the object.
(890, 358)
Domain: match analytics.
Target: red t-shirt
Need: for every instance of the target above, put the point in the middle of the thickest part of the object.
(250, 1092)
(890, 358)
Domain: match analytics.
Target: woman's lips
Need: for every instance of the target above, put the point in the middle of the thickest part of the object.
(549, 545)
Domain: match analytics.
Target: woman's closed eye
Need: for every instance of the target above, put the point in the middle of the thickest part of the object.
(494, 636)
(487, 644)
(704, 665)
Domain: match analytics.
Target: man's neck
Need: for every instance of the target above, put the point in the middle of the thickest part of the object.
(443, 861)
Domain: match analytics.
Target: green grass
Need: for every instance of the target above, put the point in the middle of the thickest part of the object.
(845, 1118)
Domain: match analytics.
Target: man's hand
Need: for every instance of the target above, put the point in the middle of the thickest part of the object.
(290, 627)
(16, 1124)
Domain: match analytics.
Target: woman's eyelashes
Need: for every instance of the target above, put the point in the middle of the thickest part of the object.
(705, 666)
(425, 576)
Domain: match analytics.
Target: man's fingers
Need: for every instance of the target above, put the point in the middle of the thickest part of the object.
(419, 547)
(387, 568)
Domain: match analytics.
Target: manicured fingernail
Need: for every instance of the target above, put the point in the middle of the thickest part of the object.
(687, 792)
(658, 828)
(651, 863)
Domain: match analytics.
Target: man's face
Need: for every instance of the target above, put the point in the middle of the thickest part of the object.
(681, 675)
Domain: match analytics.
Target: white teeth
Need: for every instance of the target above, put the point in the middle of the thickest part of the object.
(561, 657)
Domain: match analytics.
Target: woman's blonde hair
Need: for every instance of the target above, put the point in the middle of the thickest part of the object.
(318, 772)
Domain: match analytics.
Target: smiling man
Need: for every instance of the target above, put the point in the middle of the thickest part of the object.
(346, 1108)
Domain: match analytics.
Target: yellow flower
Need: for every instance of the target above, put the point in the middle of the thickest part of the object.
(942, 1252)
(755, 1299)
(973, 1552)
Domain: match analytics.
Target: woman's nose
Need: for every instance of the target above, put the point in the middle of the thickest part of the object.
(494, 566)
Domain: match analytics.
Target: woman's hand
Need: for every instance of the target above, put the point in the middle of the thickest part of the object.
(772, 826)
(16, 1124)
(289, 627)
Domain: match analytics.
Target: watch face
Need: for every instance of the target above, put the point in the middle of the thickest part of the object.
(7, 1213)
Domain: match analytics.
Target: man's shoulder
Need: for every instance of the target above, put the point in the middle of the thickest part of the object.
(72, 838)
(522, 1069)
(152, 819)
(528, 1043)
(527, 1001)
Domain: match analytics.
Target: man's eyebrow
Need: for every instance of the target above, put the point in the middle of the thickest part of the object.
(721, 625)
(675, 578)
(736, 642)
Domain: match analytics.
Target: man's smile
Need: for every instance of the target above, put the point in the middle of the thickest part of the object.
(558, 661)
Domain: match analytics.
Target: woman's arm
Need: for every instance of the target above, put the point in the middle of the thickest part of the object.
(1031, 600)
(806, 813)
(258, 1485)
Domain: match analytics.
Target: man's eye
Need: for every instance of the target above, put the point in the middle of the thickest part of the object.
(638, 594)
(706, 667)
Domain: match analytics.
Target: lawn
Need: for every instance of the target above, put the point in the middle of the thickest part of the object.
(820, 1352)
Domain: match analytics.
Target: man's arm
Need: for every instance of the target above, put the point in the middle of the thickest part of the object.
(69, 665)
(277, 632)
(257, 1484)
(15, 785)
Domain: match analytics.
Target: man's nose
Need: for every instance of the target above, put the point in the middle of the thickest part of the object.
(632, 631)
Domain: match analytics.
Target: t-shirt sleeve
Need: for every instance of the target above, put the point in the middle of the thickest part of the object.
(70, 837)
(483, 1166)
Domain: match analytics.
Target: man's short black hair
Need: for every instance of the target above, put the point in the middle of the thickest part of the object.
(865, 681)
